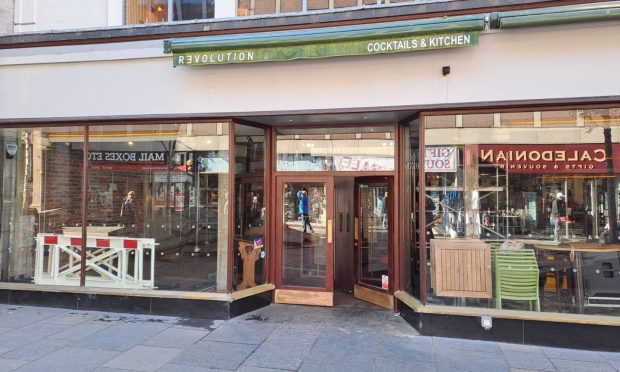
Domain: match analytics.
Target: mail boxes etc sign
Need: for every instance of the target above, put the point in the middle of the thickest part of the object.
(225, 55)
(441, 159)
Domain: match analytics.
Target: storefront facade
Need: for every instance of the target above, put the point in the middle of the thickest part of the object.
(420, 170)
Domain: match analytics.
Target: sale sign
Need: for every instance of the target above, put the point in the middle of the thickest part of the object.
(441, 159)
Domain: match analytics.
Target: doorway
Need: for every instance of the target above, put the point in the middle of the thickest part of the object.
(334, 235)
(304, 258)
(373, 236)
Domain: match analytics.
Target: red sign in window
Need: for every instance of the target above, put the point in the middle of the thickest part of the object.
(555, 159)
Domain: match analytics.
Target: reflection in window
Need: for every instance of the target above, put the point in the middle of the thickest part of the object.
(42, 183)
(250, 208)
(259, 7)
(536, 193)
(178, 175)
(157, 11)
(348, 150)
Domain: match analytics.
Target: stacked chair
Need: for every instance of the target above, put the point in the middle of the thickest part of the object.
(516, 276)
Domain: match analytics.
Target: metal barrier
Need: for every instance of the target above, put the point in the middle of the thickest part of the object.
(111, 262)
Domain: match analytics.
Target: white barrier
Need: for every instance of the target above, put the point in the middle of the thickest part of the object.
(111, 262)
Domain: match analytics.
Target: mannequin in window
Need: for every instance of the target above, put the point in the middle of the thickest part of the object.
(558, 214)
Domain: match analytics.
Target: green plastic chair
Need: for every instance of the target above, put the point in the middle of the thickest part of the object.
(516, 277)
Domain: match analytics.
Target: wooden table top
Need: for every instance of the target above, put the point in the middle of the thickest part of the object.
(593, 247)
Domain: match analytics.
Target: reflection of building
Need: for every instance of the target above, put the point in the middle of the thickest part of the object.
(486, 112)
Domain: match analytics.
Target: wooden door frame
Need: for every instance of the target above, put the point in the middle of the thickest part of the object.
(391, 232)
(278, 238)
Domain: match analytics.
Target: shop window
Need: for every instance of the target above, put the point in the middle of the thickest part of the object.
(538, 194)
(157, 11)
(345, 3)
(264, 7)
(349, 150)
(250, 207)
(150, 11)
(289, 6)
(42, 205)
(260, 7)
(318, 4)
(185, 10)
(166, 189)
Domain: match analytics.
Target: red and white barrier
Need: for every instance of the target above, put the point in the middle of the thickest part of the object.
(111, 262)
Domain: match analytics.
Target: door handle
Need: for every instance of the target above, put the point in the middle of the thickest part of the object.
(348, 222)
(330, 228)
(340, 222)
(356, 226)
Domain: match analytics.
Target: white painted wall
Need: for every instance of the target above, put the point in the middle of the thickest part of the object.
(42, 15)
(6, 16)
(137, 79)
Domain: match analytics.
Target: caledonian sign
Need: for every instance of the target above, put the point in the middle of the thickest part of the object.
(327, 49)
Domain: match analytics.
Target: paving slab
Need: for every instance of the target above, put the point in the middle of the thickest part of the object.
(82, 330)
(70, 318)
(184, 368)
(285, 348)
(565, 365)
(531, 361)
(572, 354)
(392, 365)
(275, 338)
(10, 364)
(122, 336)
(211, 354)
(407, 348)
(338, 347)
(176, 337)
(70, 359)
(143, 358)
(520, 347)
(36, 349)
(23, 336)
(466, 345)
(469, 361)
(248, 332)
(20, 318)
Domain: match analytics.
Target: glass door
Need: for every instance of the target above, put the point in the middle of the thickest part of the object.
(305, 235)
(373, 239)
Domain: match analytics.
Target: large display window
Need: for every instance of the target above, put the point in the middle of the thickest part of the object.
(41, 200)
(154, 216)
(250, 207)
(521, 210)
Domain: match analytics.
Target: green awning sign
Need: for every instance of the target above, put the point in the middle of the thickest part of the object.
(326, 49)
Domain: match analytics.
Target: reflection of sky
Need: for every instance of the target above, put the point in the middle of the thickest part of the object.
(300, 165)
(335, 163)
(213, 162)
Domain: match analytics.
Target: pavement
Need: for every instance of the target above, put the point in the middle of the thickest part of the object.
(275, 338)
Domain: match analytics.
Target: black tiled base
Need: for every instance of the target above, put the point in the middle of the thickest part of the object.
(569, 335)
(205, 309)
(251, 303)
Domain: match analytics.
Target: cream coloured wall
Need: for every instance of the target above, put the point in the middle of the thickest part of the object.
(137, 79)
